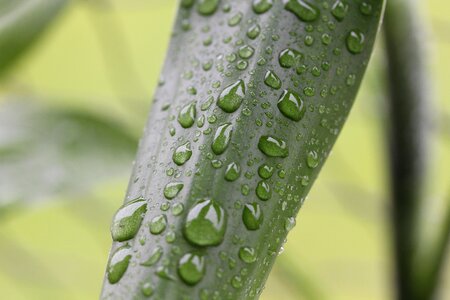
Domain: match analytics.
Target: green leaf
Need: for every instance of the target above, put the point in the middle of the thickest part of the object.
(271, 131)
(21, 22)
(46, 153)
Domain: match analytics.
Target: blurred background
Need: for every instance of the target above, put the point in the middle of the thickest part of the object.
(72, 110)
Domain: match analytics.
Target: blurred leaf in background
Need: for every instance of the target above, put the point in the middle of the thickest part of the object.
(70, 116)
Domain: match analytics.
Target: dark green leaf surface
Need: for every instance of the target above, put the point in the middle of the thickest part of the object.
(284, 78)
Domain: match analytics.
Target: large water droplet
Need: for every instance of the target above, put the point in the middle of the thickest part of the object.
(291, 106)
(263, 190)
(231, 97)
(158, 224)
(118, 264)
(222, 138)
(339, 10)
(247, 254)
(191, 268)
(207, 7)
(261, 6)
(252, 216)
(289, 58)
(172, 189)
(182, 154)
(232, 172)
(355, 41)
(187, 114)
(127, 220)
(154, 257)
(205, 223)
(304, 10)
(272, 146)
(272, 80)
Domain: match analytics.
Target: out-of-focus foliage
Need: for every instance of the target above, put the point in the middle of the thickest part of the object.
(21, 22)
(340, 247)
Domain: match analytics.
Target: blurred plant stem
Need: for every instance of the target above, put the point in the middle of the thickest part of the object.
(410, 108)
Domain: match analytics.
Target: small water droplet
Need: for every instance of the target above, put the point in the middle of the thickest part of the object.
(205, 223)
(158, 224)
(182, 154)
(222, 138)
(265, 171)
(261, 6)
(272, 146)
(154, 257)
(304, 10)
(253, 31)
(191, 268)
(235, 20)
(339, 10)
(247, 254)
(232, 172)
(118, 264)
(177, 209)
(263, 190)
(147, 289)
(236, 282)
(246, 51)
(272, 80)
(289, 58)
(252, 216)
(128, 219)
(355, 41)
(172, 189)
(207, 7)
(289, 223)
(231, 97)
(207, 103)
(291, 106)
(365, 8)
(312, 159)
(187, 115)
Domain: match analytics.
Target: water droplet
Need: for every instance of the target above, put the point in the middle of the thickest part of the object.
(289, 223)
(365, 8)
(118, 264)
(303, 10)
(261, 6)
(253, 31)
(231, 97)
(172, 189)
(272, 80)
(355, 41)
(147, 289)
(207, 7)
(187, 114)
(222, 138)
(265, 171)
(252, 216)
(289, 58)
(236, 282)
(291, 106)
(182, 154)
(246, 51)
(191, 268)
(235, 20)
(263, 191)
(154, 257)
(205, 223)
(177, 209)
(207, 103)
(272, 146)
(247, 254)
(158, 224)
(339, 10)
(312, 159)
(128, 219)
(232, 172)
(163, 272)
